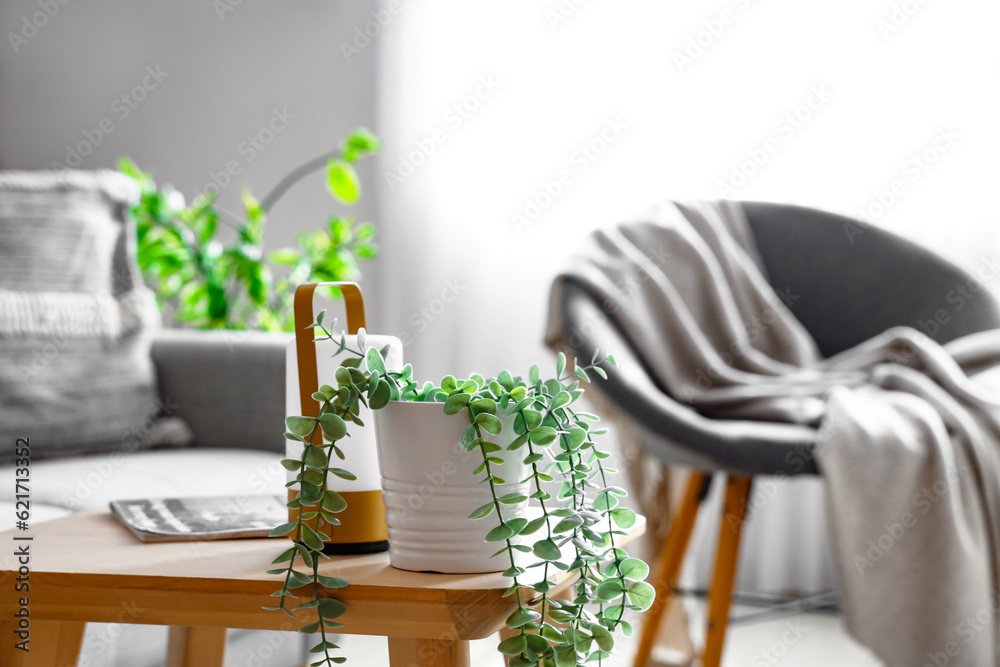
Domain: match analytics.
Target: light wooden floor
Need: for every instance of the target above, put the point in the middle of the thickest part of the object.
(818, 640)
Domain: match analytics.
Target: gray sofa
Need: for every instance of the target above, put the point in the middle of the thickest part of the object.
(229, 387)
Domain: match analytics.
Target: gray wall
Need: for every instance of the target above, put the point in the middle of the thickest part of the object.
(227, 67)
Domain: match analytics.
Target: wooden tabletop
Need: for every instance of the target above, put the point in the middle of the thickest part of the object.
(88, 567)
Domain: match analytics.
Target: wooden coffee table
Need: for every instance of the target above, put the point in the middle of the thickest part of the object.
(88, 567)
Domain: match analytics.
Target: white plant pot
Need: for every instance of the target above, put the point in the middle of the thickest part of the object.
(429, 490)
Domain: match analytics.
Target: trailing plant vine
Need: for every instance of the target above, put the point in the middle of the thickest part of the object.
(574, 535)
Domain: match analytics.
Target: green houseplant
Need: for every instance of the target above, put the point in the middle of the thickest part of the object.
(575, 532)
(210, 285)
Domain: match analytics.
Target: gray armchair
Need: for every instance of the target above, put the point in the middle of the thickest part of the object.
(852, 281)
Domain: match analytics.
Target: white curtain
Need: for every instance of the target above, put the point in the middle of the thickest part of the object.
(512, 129)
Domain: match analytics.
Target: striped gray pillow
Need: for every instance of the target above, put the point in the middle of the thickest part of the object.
(75, 319)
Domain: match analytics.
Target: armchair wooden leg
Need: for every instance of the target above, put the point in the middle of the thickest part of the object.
(720, 593)
(669, 565)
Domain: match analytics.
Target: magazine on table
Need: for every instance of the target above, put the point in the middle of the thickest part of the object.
(203, 518)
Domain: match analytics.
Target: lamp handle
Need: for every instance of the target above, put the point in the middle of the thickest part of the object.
(305, 338)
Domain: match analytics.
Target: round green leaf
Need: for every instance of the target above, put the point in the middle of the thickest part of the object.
(575, 437)
(333, 501)
(512, 645)
(609, 590)
(537, 644)
(605, 641)
(283, 529)
(456, 403)
(566, 657)
(533, 526)
(291, 464)
(309, 629)
(623, 516)
(342, 181)
(605, 500)
(490, 423)
(334, 427)
(314, 456)
(614, 612)
(301, 426)
(482, 511)
(331, 608)
(560, 364)
(640, 593)
(359, 143)
(522, 616)
(547, 549)
(561, 399)
(500, 533)
(532, 418)
(380, 397)
(567, 524)
(342, 375)
(542, 435)
(485, 405)
(331, 582)
(633, 569)
(374, 361)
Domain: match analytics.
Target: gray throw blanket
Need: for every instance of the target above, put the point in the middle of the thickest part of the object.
(910, 448)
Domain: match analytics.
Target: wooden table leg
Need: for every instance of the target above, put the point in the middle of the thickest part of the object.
(407, 652)
(51, 644)
(196, 647)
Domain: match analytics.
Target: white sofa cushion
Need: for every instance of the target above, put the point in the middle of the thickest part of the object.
(73, 484)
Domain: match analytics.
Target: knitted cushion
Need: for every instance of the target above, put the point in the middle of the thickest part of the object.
(75, 319)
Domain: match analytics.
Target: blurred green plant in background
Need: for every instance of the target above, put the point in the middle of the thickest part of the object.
(202, 282)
